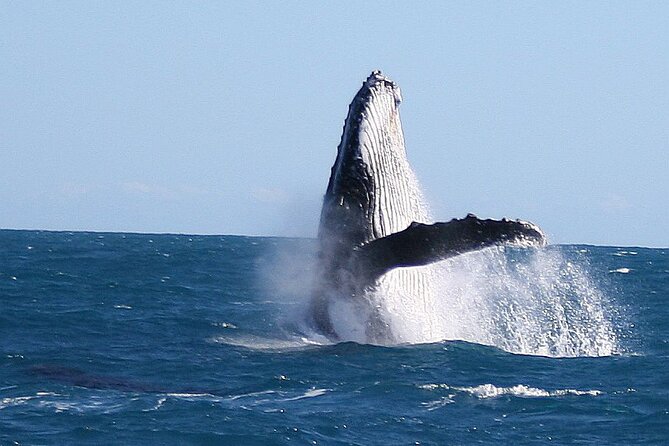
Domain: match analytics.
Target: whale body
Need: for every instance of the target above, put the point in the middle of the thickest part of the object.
(374, 223)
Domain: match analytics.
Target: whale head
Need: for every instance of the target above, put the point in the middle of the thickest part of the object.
(372, 190)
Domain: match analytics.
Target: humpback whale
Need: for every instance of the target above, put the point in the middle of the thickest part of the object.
(374, 222)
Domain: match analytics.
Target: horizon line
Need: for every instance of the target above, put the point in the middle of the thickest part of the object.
(211, 234)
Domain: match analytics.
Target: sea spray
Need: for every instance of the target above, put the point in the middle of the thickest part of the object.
(536, 302)
(526, 301)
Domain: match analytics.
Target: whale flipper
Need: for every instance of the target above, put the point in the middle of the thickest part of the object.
(422, 244)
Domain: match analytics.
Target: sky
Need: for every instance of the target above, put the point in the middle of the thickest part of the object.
(224, 117)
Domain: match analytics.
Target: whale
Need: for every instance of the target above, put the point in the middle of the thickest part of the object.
(375, 230)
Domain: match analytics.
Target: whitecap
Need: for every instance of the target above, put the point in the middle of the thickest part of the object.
(190, 395)
(251, 394)
(224, 324)
(252, 342)
(15, 401)
(621, 270)
(441, 402)
(311, 393)
(485, 391)
(157, 406)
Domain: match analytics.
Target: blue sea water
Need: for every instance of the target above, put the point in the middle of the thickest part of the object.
(109, 338)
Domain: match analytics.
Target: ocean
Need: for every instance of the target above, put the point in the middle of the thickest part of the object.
(114, 338)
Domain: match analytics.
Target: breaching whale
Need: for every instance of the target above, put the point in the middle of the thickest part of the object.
(373, 221)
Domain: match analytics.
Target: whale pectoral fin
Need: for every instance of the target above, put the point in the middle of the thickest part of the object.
(422, 244)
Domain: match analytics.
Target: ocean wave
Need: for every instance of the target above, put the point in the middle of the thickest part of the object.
(311, 393)
(484, 391)
(65, 403)
(621, 270)
(259, 343)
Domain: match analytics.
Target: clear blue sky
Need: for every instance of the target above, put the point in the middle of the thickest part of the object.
(204, 117)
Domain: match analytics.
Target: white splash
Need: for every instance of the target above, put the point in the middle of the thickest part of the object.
(538, 303)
